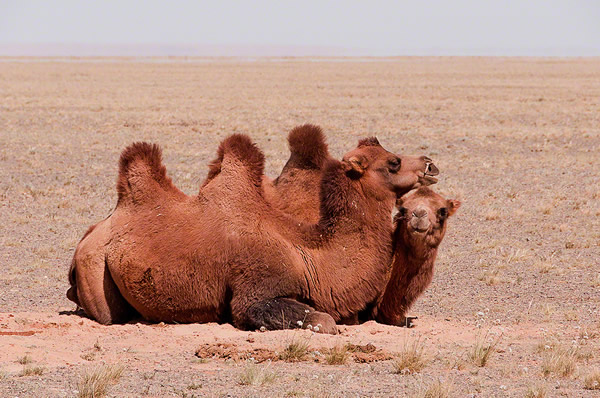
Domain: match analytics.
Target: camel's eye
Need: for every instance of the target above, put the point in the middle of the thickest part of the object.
(394, 164)
(443, 212)
(403, 211)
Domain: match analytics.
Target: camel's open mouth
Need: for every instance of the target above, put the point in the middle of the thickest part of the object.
(430, 171)
(420, 230)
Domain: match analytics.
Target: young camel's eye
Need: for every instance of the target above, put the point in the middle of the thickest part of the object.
(402, 211)
(443, 212)
(394, 165)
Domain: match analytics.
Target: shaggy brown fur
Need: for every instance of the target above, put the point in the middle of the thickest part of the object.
(421, 225)
(228, 254)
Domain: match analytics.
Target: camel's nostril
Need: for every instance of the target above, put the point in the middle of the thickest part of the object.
(432, 170)
(420, 213)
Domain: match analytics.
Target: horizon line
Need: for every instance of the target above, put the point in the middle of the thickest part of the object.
(259, 50)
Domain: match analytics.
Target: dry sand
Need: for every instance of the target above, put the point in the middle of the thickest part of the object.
(516, 139)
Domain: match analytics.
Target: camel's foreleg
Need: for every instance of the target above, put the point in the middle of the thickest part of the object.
(285, 313)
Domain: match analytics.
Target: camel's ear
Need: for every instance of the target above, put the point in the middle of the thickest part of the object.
(453, 205)
(356, 165)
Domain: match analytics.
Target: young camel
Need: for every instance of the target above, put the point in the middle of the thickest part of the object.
(421, 226)
(227, 254)
(296, 189)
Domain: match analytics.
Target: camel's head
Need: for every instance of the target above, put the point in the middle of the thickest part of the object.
(422, 216)
(384, 171)
(417, 171)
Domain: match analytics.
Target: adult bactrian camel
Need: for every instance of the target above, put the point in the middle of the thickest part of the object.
(295, 192)
(228, 254)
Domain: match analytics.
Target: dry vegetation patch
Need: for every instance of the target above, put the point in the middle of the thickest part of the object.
(256, 375)
(484, 348)
(338, 355)
(29, 370)
(536, 391)
(592, 379)
(295, 351)
(560, 361)
(412, 357)
(436, 389)
(95, 383)
(517, 138)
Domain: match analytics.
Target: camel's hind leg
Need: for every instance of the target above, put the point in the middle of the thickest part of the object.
(285, 313)
(92, 287)
(99, 296)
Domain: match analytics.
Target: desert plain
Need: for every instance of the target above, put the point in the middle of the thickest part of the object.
(513, 309)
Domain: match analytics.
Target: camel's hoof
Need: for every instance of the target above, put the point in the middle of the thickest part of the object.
(409, 321)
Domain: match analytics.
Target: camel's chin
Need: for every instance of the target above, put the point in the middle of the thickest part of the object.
(428, 180)
(420, 232)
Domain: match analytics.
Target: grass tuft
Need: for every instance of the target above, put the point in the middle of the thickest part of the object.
(337, 355)
(536, 391)
(95, 383)
(483, 349)
(25, 360)
(560, 361)
(29, 370)
(592, 380)
(411, 359)
(255, 375)
(295, 351)
(437, 389)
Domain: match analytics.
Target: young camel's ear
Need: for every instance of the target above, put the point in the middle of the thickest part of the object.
(453, 205)
(356, 166)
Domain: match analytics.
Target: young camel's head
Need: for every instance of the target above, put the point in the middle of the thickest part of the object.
(422, 216)
(385, 171)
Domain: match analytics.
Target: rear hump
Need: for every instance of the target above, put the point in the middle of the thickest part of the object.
(308, 147)
(241, 148)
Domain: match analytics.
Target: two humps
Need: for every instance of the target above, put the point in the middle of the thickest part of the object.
(328, 241)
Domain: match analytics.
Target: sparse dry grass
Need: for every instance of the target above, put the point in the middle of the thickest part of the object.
(96, 382)
(559, 360)
(474, 117)
(29, 370)
(337, 355)
(88, 356)
(436, 389)
(591, 381)
(25, 360)
(295, 351)
(536, 391)
(491, 277)
(256, 375)
(412, 357)
(483, 349)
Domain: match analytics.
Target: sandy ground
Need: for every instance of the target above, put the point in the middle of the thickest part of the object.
(517, 140)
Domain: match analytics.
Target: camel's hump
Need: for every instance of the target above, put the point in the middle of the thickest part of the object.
(307, 146)
(140, 170)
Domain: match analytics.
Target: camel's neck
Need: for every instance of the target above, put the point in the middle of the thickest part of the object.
(349, 270)
(412, 271)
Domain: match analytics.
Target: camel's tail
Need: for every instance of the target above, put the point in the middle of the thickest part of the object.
(308, 147)
(141, 173)
(241, 148)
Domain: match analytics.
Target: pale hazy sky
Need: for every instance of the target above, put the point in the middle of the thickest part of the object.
(458, 27)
